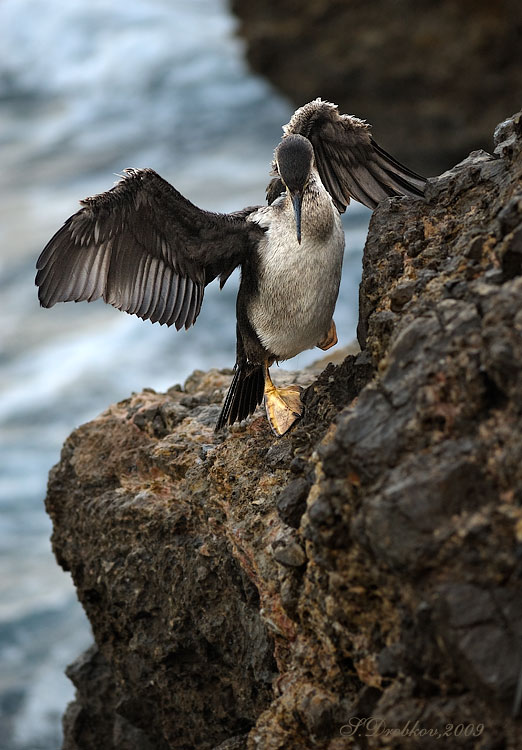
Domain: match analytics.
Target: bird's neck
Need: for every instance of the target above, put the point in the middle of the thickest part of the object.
(318, 212)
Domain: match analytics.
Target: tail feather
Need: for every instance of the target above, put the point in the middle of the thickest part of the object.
(244, 395)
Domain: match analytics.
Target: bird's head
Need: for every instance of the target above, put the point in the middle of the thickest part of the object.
(294, 159)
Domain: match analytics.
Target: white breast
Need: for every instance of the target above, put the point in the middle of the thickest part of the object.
(298, 283)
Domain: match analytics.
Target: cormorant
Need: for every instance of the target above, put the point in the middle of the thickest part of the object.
(149, 251)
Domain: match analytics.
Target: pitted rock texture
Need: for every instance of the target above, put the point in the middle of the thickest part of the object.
(432, 78)
(261, 593)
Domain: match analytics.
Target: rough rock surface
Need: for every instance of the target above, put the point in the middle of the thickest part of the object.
(434, 78)
(366, 569)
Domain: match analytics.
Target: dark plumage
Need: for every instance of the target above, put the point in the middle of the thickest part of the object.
(147, 250)
(350, 163)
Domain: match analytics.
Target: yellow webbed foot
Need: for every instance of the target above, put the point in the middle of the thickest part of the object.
(283, 406)
(330, 339)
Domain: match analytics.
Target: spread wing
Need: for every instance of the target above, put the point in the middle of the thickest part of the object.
(350, 163)
(145, 249)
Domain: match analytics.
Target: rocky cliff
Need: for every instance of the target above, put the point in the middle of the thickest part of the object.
(432, 77)
(356, 583)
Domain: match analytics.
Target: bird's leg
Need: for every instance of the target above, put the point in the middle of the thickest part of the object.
(330, 339)
(283, 405)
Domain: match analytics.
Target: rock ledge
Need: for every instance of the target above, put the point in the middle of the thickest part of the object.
(249, 592)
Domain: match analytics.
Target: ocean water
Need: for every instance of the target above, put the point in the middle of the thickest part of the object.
(87, 89)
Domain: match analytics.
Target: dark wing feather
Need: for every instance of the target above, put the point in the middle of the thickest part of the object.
(350, 163)
(144, 249)
(274, 189)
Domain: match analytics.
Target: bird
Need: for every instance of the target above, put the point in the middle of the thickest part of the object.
(147, 250)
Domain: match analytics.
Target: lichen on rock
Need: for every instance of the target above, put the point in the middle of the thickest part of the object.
(252, 592)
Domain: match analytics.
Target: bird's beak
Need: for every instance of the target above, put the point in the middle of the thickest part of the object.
(297, 199)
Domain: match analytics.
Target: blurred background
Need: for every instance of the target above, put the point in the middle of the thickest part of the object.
(87, 89)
